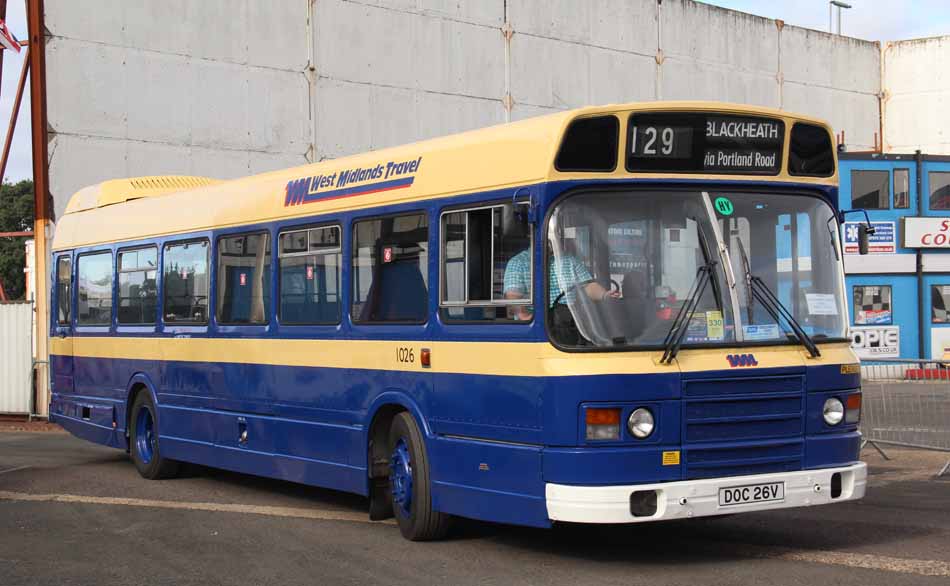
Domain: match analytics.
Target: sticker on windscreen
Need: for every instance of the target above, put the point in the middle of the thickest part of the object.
(723, 206)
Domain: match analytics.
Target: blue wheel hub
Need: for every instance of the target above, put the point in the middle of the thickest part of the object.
(145, 434)
(400, 477)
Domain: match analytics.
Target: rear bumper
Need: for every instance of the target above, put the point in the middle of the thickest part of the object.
(699, 498)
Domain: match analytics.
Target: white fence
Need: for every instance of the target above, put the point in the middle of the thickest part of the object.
(16, 357)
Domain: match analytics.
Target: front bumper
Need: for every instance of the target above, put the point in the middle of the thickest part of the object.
(699, 498)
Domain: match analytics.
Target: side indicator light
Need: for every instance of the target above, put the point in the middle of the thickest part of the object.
(603, 424)
(852, 413)
(425, 358)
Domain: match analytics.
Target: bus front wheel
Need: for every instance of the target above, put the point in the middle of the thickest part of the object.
(143, 441)
(410, 485)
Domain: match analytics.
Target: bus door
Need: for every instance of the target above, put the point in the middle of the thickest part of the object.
(61, 357)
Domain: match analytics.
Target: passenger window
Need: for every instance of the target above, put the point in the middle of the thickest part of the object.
(94, 306)
(63, 290)
(244, 279)
(310, 276)
(870, 190)
(486, 264)
(138, 291)
(390, 260)
(185, 282)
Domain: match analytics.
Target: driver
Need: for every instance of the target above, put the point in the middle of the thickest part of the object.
(563, 274)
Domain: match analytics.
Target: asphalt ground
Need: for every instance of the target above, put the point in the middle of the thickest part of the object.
(76, 513)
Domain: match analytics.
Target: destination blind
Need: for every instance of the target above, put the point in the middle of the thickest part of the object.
(677, 142)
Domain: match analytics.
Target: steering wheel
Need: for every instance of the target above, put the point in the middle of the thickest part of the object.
(614, 286)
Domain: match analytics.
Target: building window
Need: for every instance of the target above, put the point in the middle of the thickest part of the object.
(94, 306)
(901, 189)
(63, 290)
(869, 190)
(243, 279)
(185, 282)
(939, 190)
(486, 264)
(390, 260)
(138, 291)
(872, 305)
(310, 276)
(939, 303)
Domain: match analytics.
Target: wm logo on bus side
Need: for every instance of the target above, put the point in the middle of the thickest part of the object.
(736, 360)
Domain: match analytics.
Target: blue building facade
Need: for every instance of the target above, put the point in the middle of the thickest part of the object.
(899, 293)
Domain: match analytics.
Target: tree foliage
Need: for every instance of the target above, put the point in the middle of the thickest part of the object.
(16, 215)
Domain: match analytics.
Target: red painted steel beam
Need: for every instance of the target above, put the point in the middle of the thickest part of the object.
(37, 59)
(25, 234)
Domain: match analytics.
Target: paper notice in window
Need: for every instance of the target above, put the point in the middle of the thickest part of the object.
(821, 304)
(714, 328)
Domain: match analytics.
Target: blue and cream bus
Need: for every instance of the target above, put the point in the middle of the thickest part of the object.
(607, 315)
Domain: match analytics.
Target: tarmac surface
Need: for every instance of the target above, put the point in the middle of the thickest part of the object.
(75, 513)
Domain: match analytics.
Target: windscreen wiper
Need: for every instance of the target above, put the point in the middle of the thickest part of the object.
(704, 274)
(760, 291)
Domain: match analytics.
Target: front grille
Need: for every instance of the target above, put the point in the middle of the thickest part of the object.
(738, 426)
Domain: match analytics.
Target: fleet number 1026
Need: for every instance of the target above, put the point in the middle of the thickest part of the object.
(404, 354)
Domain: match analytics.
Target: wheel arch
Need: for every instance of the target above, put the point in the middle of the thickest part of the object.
(140, 382)
(380, 417)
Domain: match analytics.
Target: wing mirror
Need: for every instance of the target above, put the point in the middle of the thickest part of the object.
(865, 230)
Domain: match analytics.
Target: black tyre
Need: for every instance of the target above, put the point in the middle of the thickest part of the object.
(143, 440)
(410, 485)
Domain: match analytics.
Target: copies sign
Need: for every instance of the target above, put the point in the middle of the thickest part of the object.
(876, 342)
(926, 233)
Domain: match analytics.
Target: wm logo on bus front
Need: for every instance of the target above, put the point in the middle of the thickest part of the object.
(736, 360)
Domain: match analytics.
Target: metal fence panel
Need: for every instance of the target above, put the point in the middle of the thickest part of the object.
(907, 403)
(16, 357)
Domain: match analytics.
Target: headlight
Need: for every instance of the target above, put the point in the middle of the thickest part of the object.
(640, 423)
(833, 412)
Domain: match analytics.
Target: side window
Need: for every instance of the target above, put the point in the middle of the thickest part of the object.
(138, 291)
(486, 264)
(390, 276)
(309, 286)
(872, 305)
(901, 189)
(939, 304)
(870, 190)
(63, 290)
(94, 306)
(939, 190)
(185, 282)
(244, 279)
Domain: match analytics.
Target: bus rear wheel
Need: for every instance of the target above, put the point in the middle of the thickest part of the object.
(410, 485)
(143, 441)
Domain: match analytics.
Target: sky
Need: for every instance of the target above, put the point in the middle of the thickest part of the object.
(20, 165)
(874, 20)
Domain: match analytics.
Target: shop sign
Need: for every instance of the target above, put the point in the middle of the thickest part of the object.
(927, 232)
(883, 241)
(876, 341)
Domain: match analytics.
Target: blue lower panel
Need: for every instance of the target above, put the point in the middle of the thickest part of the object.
(488, 481)
(304, 471)
(825, 451)
(89, 431)
(602, 466)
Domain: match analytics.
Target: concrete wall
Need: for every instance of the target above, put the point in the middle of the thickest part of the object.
(231, 87)
(139, 87)
(917, 104)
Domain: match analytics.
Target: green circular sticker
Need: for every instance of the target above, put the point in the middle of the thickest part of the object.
(723, 206)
